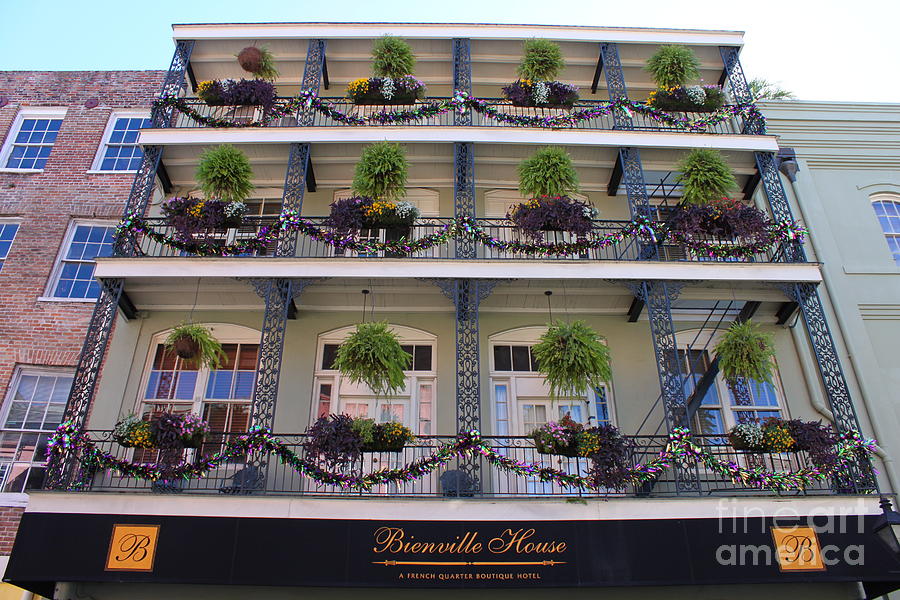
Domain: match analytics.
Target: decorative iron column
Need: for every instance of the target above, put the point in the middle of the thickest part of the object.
(615, 82)
(740, 89)
(61, 472)
(467, 295)
(464, 192)
(636, 190)
(778, 203)
(277, 295)
(462, 76)
(292, 196)
(312, 77)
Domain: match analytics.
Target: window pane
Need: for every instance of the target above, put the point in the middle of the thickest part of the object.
(329, 353)
(521, 358)
(502, 358)
(324, 406)
(422, 358)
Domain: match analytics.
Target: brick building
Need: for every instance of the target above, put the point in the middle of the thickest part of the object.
(66, 168)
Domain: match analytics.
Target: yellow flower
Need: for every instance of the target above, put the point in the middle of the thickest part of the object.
(358, 86)
(203, 87)
(380, 208)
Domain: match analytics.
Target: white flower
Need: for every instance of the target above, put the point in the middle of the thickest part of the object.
(387, 88)
(696, 93)
(235, 209)
(540, 93)
(590, 212)
(751, 433)
(406, 210)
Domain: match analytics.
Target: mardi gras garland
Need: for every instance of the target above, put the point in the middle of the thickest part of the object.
(680, 449)
(462, 101)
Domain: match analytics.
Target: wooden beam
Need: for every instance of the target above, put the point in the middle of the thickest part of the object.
(325, 82)
(785, 311)
(615, 178)
(292, 311)
(310, 177)
(750, 186)
(191, 77)
(129, 311)
(597, 72)
(634, 312)
(164, 178)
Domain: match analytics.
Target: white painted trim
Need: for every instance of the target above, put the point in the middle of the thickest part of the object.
(104, 141)
(63, 249)
(264, 31)
(27, 112)
(524, 509)
(13, 499)
(483, 135)
(181, 267)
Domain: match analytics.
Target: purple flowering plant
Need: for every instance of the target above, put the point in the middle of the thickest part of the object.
(692, 98)
(242, 92)
(552, 213)
(190, 216)
(550, 94)
(724, 218)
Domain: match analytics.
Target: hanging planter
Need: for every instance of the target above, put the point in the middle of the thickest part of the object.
(381, 172)
(542, 61)
(705, 177)
(224, 173)
(196, 344)
(672, 67)
(393, 83)
(372, 355)
(745, 352)
(258, 61)
(572, 358)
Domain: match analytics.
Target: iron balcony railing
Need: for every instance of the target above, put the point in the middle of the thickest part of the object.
(310, 117)
(631, 248)
(266, 475)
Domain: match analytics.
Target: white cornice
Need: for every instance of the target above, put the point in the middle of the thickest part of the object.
(262, 31)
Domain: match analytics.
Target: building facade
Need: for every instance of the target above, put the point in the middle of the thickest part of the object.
(69, 154)
(468, 308)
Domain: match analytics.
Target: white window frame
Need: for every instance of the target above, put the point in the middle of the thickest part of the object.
(886, 198)
(415, 379)
(529, 336)
(10, 221)
(58, 264)
(104, 142)
(226, 334)
(29, 112)
(14, 381)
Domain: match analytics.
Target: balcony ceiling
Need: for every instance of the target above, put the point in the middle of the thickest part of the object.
(494, 63)
(431, 164)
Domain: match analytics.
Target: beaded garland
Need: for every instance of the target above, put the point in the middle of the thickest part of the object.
(463, 228)
(462, 101)
(680, 449)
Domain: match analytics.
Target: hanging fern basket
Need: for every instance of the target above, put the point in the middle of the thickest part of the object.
(372, 355)
(573, 359)
(186, 347)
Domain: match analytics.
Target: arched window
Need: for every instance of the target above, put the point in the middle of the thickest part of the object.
(887, 209)
(413, 407)
(220, 396)
(521, 400)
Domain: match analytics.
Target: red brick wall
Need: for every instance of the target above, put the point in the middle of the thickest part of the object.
(44, 333)
(9, 523)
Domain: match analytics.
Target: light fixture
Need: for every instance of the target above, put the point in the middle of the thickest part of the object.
(888, 526)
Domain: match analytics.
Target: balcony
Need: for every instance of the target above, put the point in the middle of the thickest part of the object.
(266, 475)
(630, 248)
(585, 115)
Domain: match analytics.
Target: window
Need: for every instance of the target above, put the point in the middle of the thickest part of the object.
(74, 276)
(888, 213)
(120, 151)
(413, 406)
(31, 138)
(7, 235)
(33, 409)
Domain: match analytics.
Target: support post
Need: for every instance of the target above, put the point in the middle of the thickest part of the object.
(312, 77)
(615, 82)
(277, 294)
(778, 203)
(174, 83)
(462, 76)
(740, 89)
(61, 470)
(292, 196)
(464, 192)
(636, 189)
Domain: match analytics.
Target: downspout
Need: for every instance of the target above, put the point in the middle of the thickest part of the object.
(842, 327)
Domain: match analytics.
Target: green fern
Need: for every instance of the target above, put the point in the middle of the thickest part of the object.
(745, 352)
(259, 61)
(705, 176)
(547, 172)
(572, 358)
(393, 57)
(372, 355)
(542, 60)
(381, 172)
(210, 354)
(673, 66)
(225, 173)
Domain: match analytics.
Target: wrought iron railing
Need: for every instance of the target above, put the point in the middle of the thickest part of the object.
(247, 114)
(631, 248)
(266, 475)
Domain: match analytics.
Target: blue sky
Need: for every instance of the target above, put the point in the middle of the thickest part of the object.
(822, 50)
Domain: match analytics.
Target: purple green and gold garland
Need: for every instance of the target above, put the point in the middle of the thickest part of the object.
(680, 449)
(461, 101)
(468, 229)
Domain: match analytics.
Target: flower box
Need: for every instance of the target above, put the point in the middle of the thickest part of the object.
(190, 216)
(725, 219)
(552, 213)
(386, 90)
(541, 94)
(693, 98)
(237, 93)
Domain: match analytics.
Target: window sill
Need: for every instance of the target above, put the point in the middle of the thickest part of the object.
(79, 300)
(100, 172)
(21, 170)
